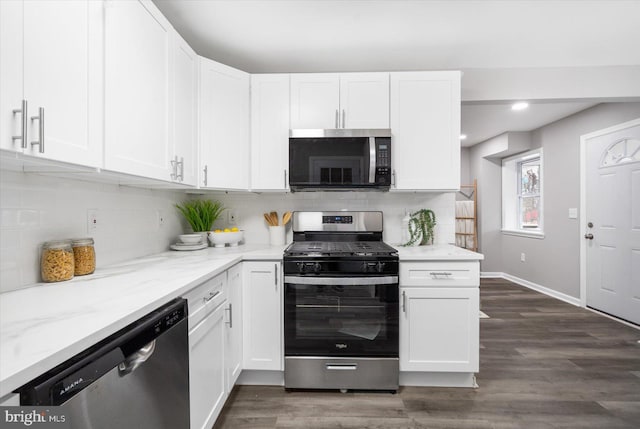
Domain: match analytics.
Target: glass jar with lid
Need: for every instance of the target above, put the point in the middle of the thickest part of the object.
(84, 255)
(57, 262)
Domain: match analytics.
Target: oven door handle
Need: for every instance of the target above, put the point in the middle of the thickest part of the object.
(341, 281)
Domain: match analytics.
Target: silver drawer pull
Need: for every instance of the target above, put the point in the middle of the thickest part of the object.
(442, 273)
(341, 367)
(211, 296)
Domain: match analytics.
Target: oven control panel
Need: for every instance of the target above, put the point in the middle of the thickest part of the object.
(337, 219)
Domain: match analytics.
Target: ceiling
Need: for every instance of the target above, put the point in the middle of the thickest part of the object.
(268, 36)
(480, 122)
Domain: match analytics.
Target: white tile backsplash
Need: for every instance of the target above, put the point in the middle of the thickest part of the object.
(250, 208)
(36, 208)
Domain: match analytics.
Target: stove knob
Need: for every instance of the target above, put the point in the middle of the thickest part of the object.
(317, 267)
(380, 266)
(300, 267)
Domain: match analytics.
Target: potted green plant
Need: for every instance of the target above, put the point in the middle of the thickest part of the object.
(201, 214)
(421, 224)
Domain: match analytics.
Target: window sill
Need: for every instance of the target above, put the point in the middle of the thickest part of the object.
(528, 234)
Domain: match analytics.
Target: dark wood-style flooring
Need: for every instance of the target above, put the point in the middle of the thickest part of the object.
(543, 364)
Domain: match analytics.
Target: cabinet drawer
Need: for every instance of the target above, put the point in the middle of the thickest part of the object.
(205, 298)
(440, 273)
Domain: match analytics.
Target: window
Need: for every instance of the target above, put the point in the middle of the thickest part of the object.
(522, 184)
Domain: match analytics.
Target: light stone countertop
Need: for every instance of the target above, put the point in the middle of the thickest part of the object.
(44, 325)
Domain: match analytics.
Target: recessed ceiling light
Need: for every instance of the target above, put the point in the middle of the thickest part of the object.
(463, 136)
(520, 105)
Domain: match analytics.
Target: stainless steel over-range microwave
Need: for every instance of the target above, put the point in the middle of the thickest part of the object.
(340, 159)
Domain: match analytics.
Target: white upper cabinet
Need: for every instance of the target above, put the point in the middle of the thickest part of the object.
(315, 100)
(330, 100)
(184, 111)
(425, 126)
(364, 100)
(269, 131)
(51, 56)
(224, 126)
(137, 51)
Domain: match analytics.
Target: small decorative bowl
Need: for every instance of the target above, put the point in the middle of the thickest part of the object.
(190, 238)
(220, 239)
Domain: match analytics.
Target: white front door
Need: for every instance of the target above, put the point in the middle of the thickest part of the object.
(612, 220)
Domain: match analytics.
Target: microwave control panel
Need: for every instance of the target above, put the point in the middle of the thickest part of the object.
(383, 160)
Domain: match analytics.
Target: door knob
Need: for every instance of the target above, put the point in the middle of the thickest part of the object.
(588, 236)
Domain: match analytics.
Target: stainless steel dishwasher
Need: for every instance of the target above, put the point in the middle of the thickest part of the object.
(136, 378)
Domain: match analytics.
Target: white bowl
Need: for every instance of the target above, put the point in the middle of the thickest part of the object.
(190, 238)
(220, 239)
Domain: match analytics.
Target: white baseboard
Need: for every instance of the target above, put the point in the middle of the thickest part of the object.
(534, 286)
(491, 275)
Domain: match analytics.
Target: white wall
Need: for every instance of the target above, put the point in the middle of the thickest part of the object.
(552, 262)
(36, 208)
(250, 208)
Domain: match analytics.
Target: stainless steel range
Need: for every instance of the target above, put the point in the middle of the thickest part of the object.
(341, 303)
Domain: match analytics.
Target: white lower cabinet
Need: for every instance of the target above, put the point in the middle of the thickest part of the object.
(262, 309)
(207, 390)
(439, 317)
(233, 330)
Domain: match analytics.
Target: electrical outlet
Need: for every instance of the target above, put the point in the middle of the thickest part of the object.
(92, 220)
(233, 217)
(523, 257)
(160, 219)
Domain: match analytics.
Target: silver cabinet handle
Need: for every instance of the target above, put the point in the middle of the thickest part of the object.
(174, 168)
(181, 165)
(337, 119)
(24, 124)
(205, 175)
(285, 178)
(435, 275)
(393, 179)
(404, 301)
(40, 119)
(343, 118)
(230, 310)
(210, 296)
(275, 271)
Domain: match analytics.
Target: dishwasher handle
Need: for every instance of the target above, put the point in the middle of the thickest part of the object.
(132, 362)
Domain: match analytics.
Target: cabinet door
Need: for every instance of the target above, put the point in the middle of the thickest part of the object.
(137, 44)
(61, 47)
(206, 369)
(315, 100)
(184, 112)
(425, 122)
(439, 329)
(262, 309)
(364, 100)
(269, 131)
(11, 74)
(233, 332)
(224, 126)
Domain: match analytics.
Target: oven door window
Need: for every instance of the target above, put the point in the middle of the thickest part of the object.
(328, 162)
(323, 320)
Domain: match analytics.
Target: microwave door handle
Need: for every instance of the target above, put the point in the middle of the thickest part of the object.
(372, 159)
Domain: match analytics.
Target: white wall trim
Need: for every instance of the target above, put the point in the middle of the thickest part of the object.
(583, 200)
(534, 286)
(491, 275)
